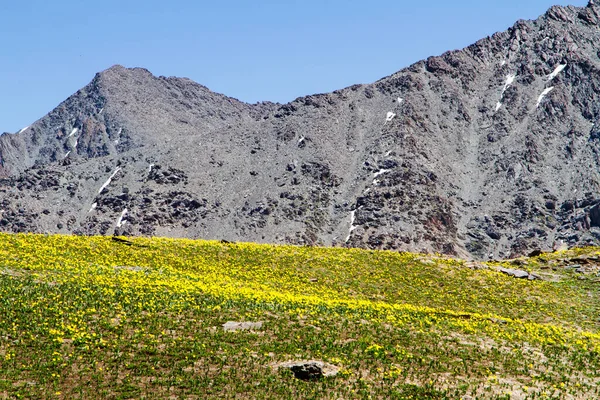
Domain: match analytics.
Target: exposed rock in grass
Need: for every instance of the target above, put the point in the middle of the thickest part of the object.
(520, 274)
(310, 370)
(10, 272)
(535, 253)
(517, 273)
(129, 268)
(241, 326)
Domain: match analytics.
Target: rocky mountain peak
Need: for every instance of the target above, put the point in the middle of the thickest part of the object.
(488, 151)
(569, 14)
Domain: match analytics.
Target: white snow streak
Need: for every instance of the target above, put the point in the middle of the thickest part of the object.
(556, 71)
(109, 180)
(388, 153)
(67, 155)
(93, 207)
(24, 129)
(400, 100)
(390, 116)
(301, 140)
(150, 168)
(352, 226)
(510, 78)
(381, 172)
(73, 132)
(503, 63)
(544, 93)
(120, 221)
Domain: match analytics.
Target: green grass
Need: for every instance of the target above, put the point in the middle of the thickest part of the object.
(88, 317)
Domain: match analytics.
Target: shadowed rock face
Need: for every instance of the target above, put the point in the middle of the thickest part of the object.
(492, 150)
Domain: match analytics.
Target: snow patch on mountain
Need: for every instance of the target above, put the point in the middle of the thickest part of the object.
(380, 172)
(510, 78)
(556, 71)
(120, 220)
(352, 226)
(105, 184)
(544, 94)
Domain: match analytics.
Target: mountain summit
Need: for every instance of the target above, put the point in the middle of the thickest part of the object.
(489, 151)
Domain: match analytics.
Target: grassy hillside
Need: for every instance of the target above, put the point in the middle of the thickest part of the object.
(90, 317)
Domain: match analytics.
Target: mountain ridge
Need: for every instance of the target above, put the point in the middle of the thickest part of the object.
(488, 151)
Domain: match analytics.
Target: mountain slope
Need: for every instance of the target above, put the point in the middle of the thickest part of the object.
(489, 151)
(100, 317)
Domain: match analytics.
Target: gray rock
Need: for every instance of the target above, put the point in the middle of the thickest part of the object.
(130, 268)
(535, 253)
(582, 260)
(242, 326)
(594, 215)
(310, 370)
(307, 372)
(515, 273)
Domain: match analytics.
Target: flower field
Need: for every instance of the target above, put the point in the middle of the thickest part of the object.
(95, 317)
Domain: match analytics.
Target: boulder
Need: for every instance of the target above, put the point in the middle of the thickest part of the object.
(310, 370)
(535, 253)
(517, 273)
(594, 216)
(241, 326)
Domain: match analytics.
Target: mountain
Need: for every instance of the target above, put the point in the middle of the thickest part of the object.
(489, 151)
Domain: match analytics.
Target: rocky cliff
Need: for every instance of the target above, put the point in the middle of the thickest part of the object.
(489, 151)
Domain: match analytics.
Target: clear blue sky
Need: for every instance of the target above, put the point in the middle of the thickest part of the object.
(253, 50)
